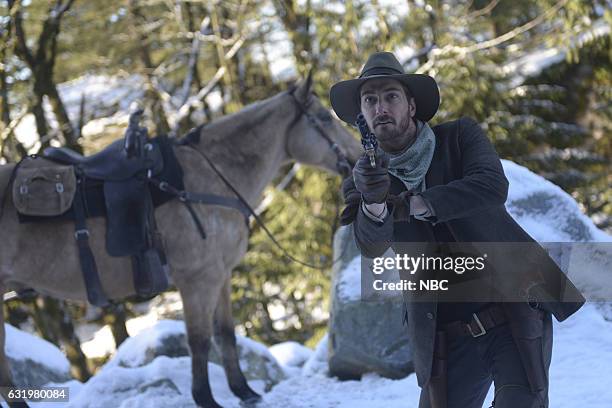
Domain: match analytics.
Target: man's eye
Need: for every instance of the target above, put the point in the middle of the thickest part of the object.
(369, 99)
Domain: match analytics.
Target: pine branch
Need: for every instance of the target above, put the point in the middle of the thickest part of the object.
(462, 51)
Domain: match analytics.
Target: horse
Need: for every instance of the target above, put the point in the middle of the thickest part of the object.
(248, 148)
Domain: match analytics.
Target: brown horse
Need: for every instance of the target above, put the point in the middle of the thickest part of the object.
(249, 148)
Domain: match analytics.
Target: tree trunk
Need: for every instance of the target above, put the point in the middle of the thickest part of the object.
(54, 323)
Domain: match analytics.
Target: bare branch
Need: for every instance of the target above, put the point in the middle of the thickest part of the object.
(485, 10)
(193, 61)
(196, 99)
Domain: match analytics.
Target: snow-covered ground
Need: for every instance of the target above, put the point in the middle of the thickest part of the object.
(580, 377)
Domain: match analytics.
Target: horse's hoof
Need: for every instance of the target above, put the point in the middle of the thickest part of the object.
(251, 402)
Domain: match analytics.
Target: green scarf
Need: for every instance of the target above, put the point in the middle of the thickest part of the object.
(412, 164)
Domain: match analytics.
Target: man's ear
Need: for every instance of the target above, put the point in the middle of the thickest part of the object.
(412, 107)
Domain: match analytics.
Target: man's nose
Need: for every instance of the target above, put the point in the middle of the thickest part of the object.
(381, 108)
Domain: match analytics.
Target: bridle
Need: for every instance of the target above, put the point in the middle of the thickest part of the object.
(343, 166)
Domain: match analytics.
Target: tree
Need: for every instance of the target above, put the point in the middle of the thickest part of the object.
(41, 62)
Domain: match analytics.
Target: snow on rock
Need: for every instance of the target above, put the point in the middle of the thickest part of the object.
(553, 218)
(168, 338)
(317, 363)
(165, 382)
(34, 361)
(291, 356)
(291, 353)
(545, 211)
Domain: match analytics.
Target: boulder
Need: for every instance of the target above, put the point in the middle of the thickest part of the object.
(554, 219)
(169, 338)
(34, 362)
(364, 336)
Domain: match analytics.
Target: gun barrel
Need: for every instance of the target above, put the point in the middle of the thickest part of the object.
(368, 139)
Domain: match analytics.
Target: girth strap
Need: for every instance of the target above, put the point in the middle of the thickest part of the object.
(201, 198)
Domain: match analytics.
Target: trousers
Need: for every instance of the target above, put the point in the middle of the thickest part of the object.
(473, 363)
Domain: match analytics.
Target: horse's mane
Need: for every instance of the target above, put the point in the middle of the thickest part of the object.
(238, 120)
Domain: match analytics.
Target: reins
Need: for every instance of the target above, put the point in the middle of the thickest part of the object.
(240, 202)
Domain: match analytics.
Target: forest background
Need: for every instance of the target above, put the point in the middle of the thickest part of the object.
(535, 74)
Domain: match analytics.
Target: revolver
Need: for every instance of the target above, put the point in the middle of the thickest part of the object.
(368, 139)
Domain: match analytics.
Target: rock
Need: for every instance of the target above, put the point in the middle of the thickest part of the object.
(164, 382)
(544, 210)
(256, 362)
(552, 217)
(169, 338)
(363, 336)
(34, 362)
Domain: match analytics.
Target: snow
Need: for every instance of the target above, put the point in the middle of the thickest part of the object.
(547, 227)
(579, 376)
(21, 346)
(291, 353)
(349, 286)
(317, 363)
(131, 353)
(535, 62)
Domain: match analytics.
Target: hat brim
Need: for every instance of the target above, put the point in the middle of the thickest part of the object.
(344, 95)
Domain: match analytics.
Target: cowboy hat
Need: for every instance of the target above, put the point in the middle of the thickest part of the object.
(345, 98)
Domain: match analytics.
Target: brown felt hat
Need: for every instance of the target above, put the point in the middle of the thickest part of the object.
(345, 98)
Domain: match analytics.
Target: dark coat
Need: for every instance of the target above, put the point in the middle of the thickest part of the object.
(467, 189)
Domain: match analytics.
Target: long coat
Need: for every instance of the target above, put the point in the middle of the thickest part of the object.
(467, 189)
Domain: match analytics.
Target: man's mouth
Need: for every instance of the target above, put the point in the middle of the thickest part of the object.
(383, 122)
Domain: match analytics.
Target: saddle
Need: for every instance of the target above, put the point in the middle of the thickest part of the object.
(115, 183)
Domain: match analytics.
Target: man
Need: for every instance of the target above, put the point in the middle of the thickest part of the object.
(446, 184)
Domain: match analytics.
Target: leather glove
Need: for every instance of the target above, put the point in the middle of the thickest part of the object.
(372, 182)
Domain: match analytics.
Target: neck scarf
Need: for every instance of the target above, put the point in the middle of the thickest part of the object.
(411, 165)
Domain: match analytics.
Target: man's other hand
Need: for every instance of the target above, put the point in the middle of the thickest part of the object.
(372, 182)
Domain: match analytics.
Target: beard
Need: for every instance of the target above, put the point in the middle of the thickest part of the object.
(390, 133)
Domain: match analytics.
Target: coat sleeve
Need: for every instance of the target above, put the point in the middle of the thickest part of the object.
(483, 183)
(373, 238)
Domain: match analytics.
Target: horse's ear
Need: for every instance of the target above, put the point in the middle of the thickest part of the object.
(304, 88)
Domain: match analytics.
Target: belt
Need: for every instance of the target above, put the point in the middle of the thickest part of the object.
(478, 325)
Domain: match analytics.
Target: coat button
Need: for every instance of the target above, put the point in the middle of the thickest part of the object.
(430, 316)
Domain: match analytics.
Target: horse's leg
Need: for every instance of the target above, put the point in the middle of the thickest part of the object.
(6, 379)
(199, 302)
(226, 339)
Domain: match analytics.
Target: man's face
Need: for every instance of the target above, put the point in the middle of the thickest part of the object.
(388, 113)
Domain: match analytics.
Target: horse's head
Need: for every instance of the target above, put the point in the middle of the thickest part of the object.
(315, 137)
